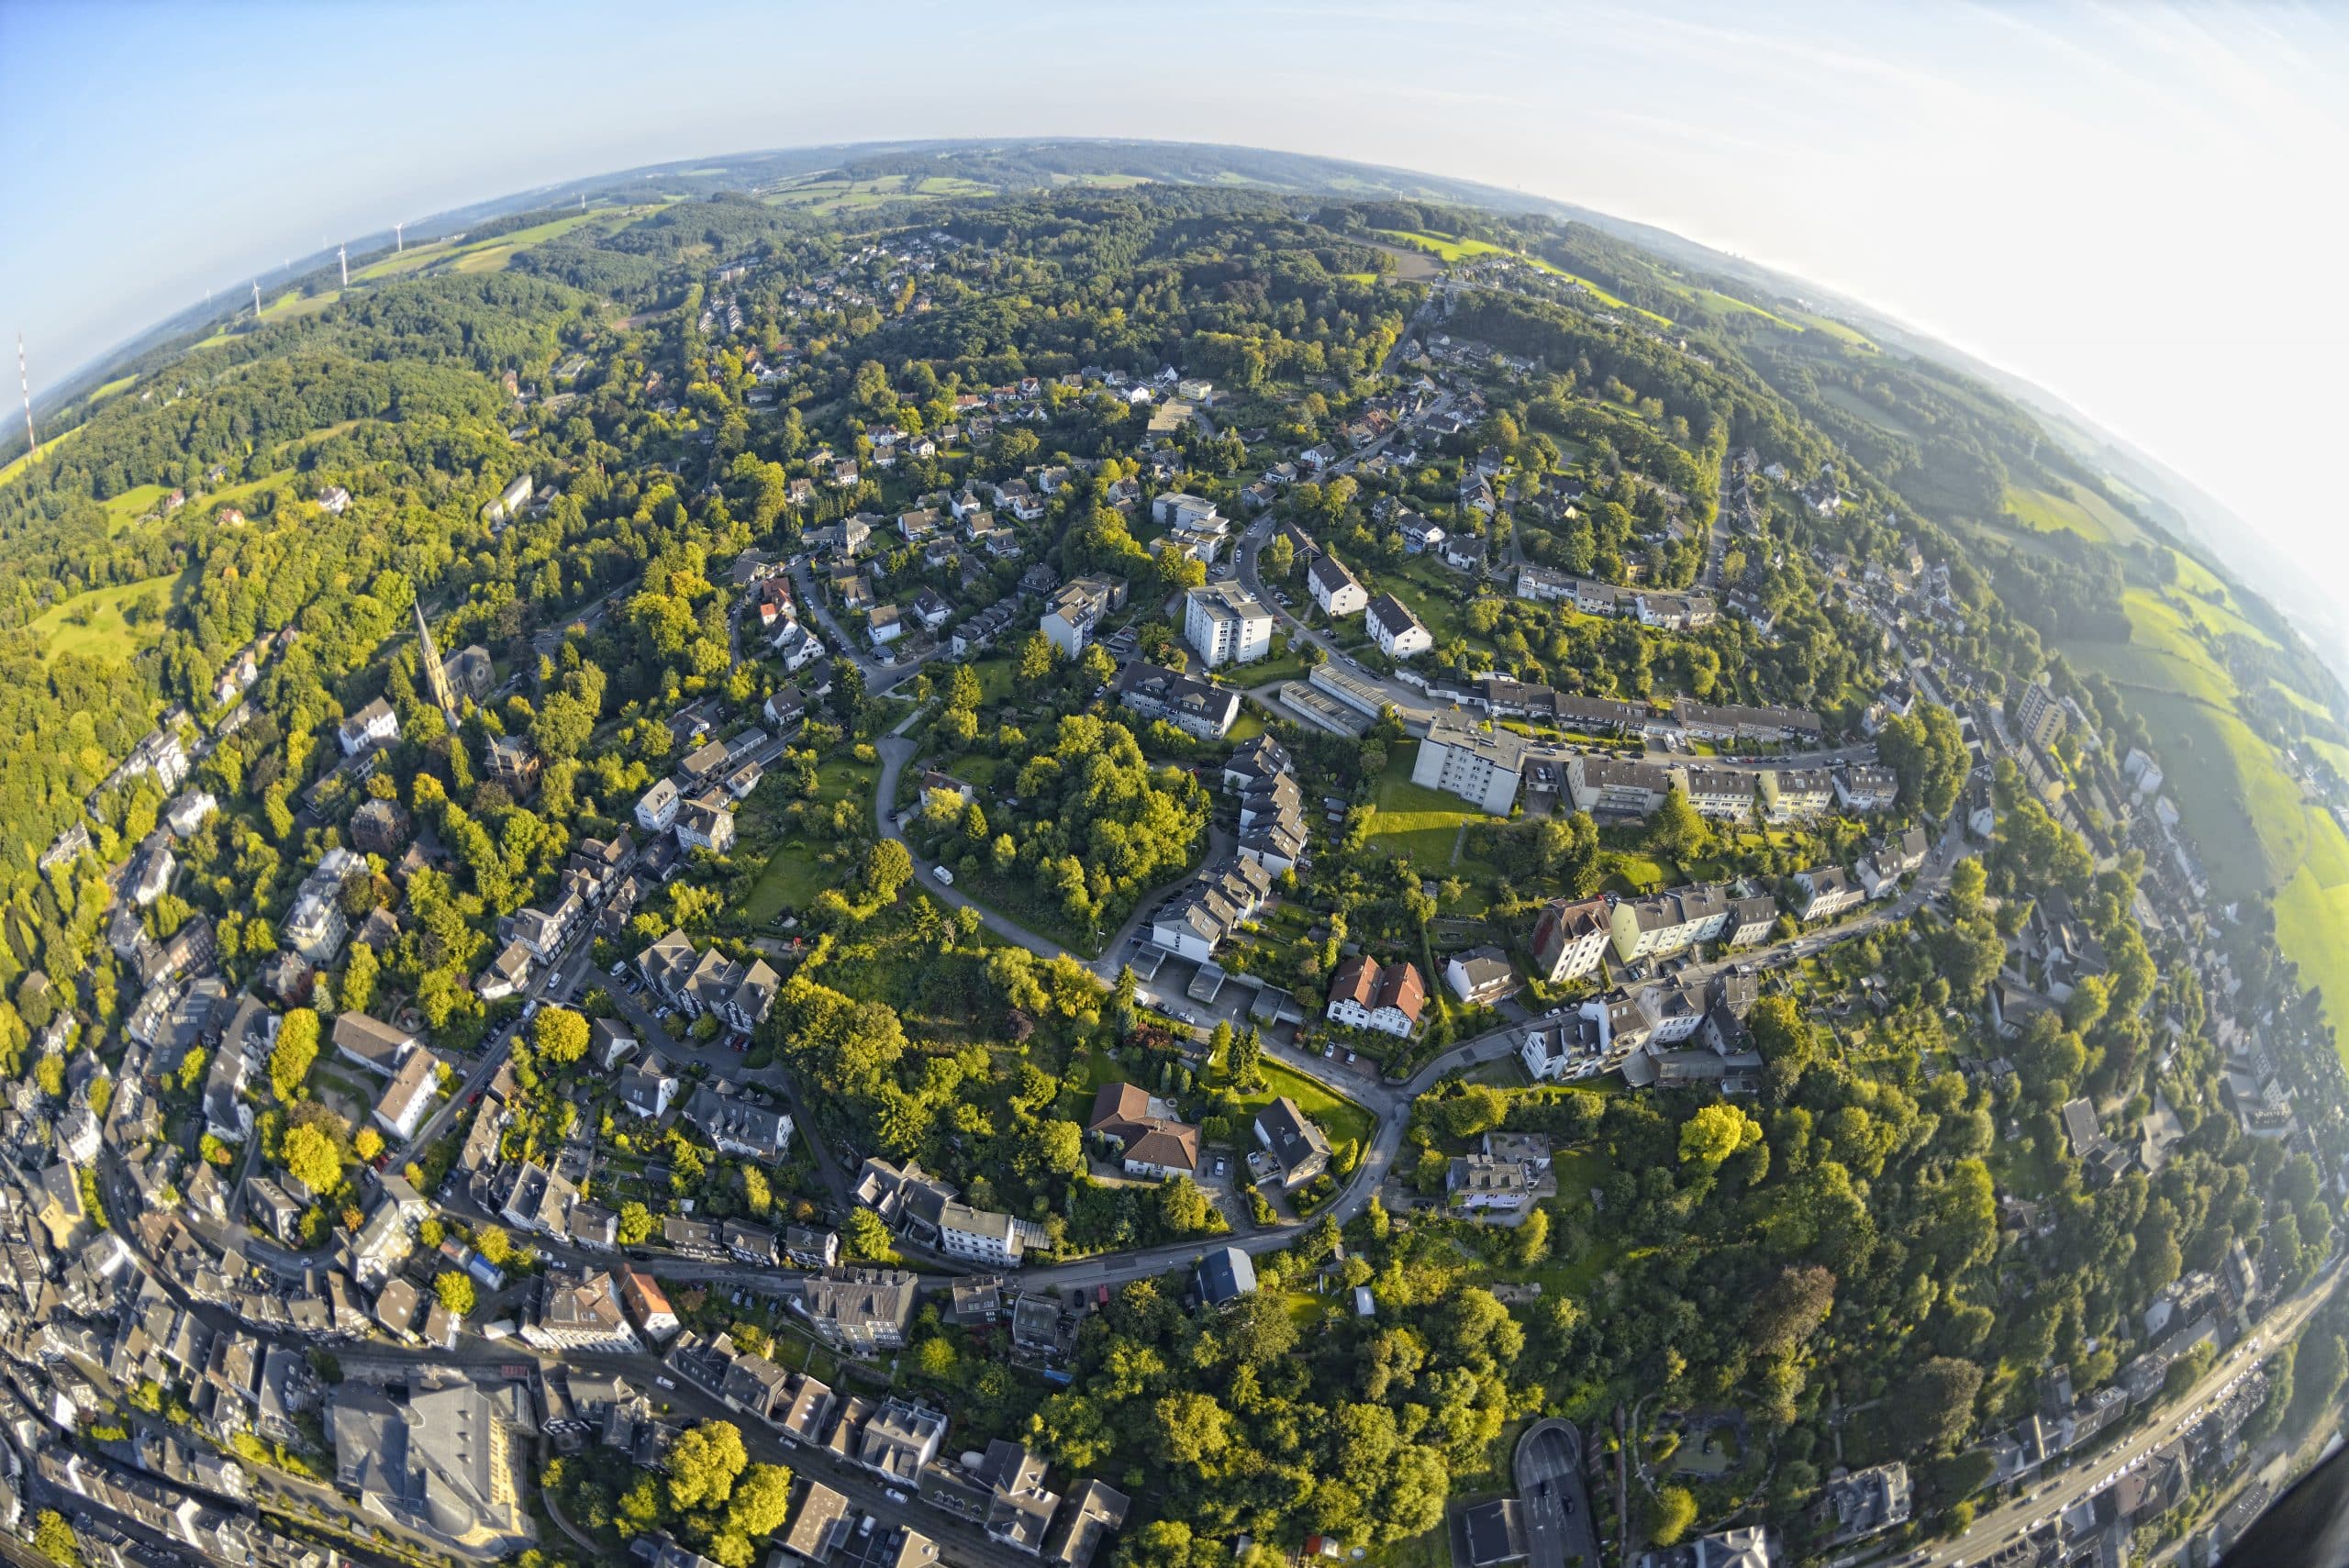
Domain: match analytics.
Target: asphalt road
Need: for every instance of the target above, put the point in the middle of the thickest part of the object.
(2044, 1499)
(1555, 1503)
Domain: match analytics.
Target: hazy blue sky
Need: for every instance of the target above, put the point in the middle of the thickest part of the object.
(2140, 208)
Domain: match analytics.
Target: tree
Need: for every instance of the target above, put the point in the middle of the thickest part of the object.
(1927, 753)
(1035, 657)
(311, 1158)
(864, 1235)
(368, 1144)
(761, 1497)
(356, 990)
(455, 1290)
(1936, 1404)
(1671, 1514)
(1675, 830)
(703, 1464)
(1183, 1209)
(296, 1049)
(54, 1538)
(1716, 1132)
(635, 1223)
(492, 1242)
(560, 1035)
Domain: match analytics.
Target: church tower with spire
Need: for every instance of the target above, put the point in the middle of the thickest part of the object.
(436, 675)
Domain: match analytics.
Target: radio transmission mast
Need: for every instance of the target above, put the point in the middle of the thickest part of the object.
(25, 379)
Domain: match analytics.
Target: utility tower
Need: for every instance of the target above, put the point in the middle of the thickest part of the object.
(25, 379)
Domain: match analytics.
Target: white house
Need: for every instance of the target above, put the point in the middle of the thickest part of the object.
(656, 809)
(410, 1098)
(1336, 590)
(1398, 632)
(1366, 995)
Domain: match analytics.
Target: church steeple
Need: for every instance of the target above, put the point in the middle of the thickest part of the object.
(436, 675)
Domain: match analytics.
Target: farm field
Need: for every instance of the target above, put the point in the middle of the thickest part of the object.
(2255, 832)
(1859, 407)
(1445, 248)
(482, 255)
(2089, 516)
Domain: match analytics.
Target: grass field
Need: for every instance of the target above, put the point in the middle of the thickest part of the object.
(1444, 248)
(1859, 407)
(120, 383)
(2080, 512)
(93, 623)
(2255, 832)
(9, 471)
(1836, 330)
(482, 255)
(133, 503)
(1408, 818)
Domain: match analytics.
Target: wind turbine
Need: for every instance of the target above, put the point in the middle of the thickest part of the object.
(256, 299)
(399, 241)
(342, 259)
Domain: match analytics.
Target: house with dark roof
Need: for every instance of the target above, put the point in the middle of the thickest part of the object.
(1226, 1275)
(1299, 1148)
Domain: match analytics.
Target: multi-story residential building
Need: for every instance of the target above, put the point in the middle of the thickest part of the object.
(864, 1311)
(2038, 716)
(580, 1314)
(1660, 924)
(1481, 976)
(984, 1235)
(1859, 787)
(1882, 868)
(1610, 786)
(1795, 794)
(1483, 767)
(1195, 706)
(1826, 892)
(1725, 793)
(1570, 939)
(1298, 1146)
(1225, 623)
(373, 726)
(1750, 918)
(1338, 591)
(656, 809)
(1399, 634)
(1075, 609)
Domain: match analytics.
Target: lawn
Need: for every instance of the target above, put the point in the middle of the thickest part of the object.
(1343, 1120)
(94, 624)
(793, 874)
(1411, 820)
(133, 503)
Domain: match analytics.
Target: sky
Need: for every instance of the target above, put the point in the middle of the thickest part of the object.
(2137, 207)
